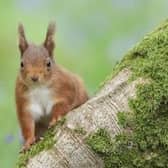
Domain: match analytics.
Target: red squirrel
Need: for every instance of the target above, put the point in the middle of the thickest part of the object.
(44, 90)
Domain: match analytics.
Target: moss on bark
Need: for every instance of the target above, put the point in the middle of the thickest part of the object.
(147, 145)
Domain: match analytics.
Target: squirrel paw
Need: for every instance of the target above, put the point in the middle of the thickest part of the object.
(52, 123)
(28, 144)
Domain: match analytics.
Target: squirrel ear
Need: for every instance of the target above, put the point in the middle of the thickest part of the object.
(22, 39)
(49, 43)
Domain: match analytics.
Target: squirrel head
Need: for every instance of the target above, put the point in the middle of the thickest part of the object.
(37, 62)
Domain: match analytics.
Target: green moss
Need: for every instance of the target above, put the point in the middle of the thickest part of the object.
(100, 142)
(126, 119)
(147, 144)
(44, 144)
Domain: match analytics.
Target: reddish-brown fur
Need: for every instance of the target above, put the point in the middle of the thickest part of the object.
(67, 89)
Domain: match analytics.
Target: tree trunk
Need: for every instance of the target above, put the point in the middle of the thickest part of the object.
(100, 112)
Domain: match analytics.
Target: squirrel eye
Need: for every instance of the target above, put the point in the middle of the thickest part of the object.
(21, 65)
(48, 64)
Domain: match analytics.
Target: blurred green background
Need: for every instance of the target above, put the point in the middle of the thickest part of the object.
(92, 35)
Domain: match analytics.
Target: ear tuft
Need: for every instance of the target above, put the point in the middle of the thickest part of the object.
(49, 43)
(22, 39)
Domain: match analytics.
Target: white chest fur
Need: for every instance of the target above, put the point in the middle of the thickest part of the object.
(40, 102)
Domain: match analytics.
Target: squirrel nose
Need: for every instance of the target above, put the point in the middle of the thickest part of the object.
(34, 78)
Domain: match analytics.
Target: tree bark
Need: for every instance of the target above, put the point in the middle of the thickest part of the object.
(70, 150)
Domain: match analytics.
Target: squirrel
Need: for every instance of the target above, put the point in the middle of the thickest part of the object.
(45, 91)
